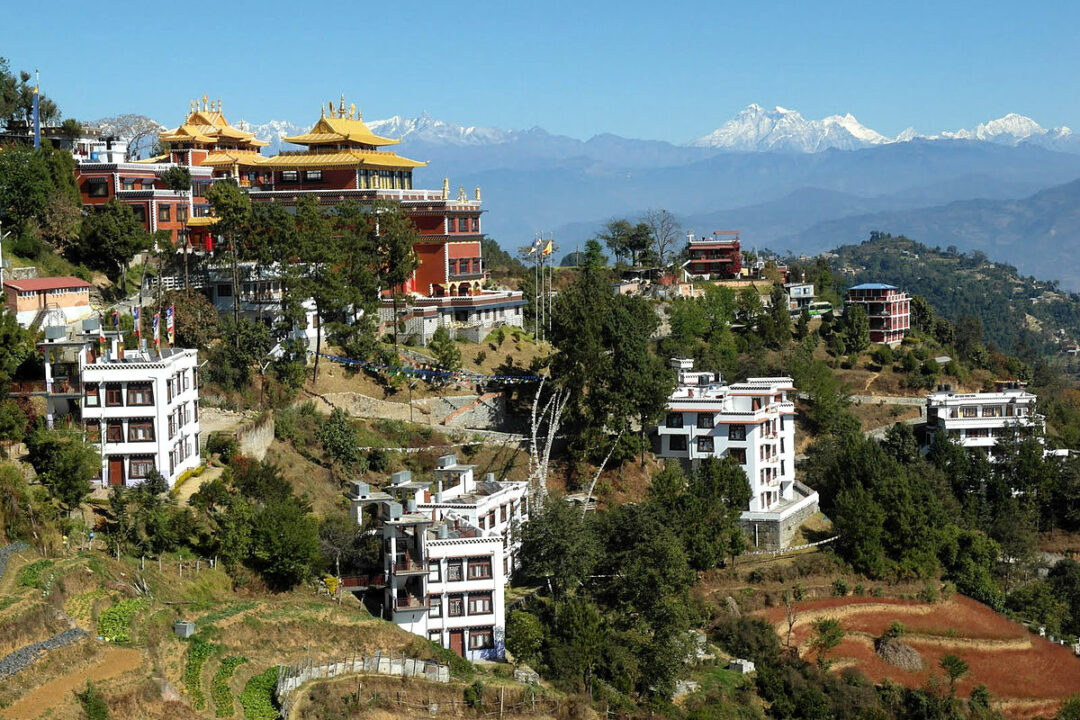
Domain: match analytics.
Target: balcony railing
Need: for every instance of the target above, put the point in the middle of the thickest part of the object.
(361, 581)
(37, 387)
(409, 602)
(410, 565)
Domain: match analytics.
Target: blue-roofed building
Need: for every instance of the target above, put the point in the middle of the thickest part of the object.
(887, 308)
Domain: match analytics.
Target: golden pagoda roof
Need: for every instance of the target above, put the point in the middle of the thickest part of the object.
(228, 158)
(337, 129)
(345, 158)
(207, 124)
(203, 221)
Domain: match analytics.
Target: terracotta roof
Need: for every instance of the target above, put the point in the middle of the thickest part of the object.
(47, 283)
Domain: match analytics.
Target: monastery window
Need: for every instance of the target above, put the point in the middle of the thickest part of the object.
(434, 571)
(739, 454)
(453, 571)
(314, 176)
(434, 606)
(97, 187)
(736, 432)
(705, 444)
(674, 420)
(453, 267)
(502, 513)
(164, 212)
(114, 395)
(755, 403)
(968, 411)
(140, 394)
(114, 431)
(992, 411)
(93, 431)
(480, 569)
(480, 604)
(290, 176)
(91, 399)
(481, 639)
(140, 213)
(475, 222)
(677, 443)
(455, 606)
(127, 183)
(141, 430)
(140, 466)
(435, 636)
(705, 420)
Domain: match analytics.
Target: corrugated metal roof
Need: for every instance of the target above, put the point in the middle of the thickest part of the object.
(874, 286)
(48, 283)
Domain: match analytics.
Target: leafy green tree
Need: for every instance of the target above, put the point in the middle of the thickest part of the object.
(197, 323)
(858, 521)
(65, 464)
(524, 636)
(231, 362)
(397, 260)
(558, 550)
(355, 333)
(779, 318)
(955, 668)
(802, 325)
(856, 328)
(447, 353)
(232, 208)
(110, 237)
(16, 345)
(285, 543)
(340, 441)
(828, 633)
(900, 443)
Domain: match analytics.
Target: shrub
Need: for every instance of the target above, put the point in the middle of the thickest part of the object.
(114, 624)
(895, 630)
(92, 703)
(840, 587)
(878, 592)
(474, 695)
(37, 575)
(929, 593)
(480, 357)
(224, 445)
(860, 589)
(378, 459)
(258, 696)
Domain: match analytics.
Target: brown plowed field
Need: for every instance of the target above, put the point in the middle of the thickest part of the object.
(1029, 674)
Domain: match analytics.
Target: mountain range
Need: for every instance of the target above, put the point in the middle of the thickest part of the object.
(786, 182)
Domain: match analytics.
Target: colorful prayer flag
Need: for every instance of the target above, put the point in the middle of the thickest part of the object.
(136, 315)
(157, 331)
(170, 323)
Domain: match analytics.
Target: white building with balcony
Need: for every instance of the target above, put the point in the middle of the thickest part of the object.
(752, 422)
(449, 549)
(978, 420)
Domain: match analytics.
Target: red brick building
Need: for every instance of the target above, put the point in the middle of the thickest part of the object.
(716, 257)
(887, 308)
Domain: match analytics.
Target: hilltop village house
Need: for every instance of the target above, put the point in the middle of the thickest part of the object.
(978, 420)
(140, 407)
(341, 159)
(752, 422)
(887, 308)
(449, 547)
(37, 302)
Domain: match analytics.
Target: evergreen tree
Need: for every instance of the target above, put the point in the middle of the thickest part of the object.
(447, 353)
(110, 237)
(397, 259)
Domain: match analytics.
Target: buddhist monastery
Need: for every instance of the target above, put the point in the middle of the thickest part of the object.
(338, 159)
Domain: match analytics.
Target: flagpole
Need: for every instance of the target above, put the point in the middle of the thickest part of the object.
(37, 111)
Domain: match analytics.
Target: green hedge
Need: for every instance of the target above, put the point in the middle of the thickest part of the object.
(221, 693)
(258, 696)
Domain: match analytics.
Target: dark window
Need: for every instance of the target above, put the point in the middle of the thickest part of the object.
(674, 420)
(736, 432)
(480, 604)
(114, 431)
(164, 213)
(138, 467)
(92, 397)
(677, 443)
(141, 430)
(481, 568)
(739, 454)
(224, 291)
(114, 396)
(455, 606)
(705, 444)
(140, 394)
(93, 431)
(705, 420)
(435, 636)
(481, 639)
(476, 224)
(97, 187)
(453, 571)
(453, 267)
(289, 176)
(140, 213)
(181, 213)
(313, 175)
(502, 514)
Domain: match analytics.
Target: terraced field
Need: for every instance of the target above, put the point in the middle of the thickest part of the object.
(1026, 673)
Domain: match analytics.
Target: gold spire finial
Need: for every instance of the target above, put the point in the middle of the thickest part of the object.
(219, 106)
(341, 107)
(477, 193)
(330, 107)
(205, 100)
(352, 110)
(322, 111)
(191, 104)
(461, 196)
(446, 188)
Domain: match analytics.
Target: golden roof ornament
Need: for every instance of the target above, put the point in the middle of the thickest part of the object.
(477, 193)
(205, 100)
(330, 107)
(461, 196)
(446, 188)
(352, 110)
(341, 107)
(192, 104)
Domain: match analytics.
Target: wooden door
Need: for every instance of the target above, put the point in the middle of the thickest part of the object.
(457, 642)
(116, 471)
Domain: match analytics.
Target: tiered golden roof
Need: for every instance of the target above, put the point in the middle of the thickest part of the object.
(230, 158)
(206, 125)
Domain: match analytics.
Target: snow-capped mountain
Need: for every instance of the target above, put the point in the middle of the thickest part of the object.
(759, 129)
(438, 132)
(1010, 130)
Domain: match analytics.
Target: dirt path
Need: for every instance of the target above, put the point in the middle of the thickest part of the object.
(192, 484)
(115, 662)
(870, 380)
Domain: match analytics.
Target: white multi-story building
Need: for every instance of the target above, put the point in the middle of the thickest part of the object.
(752, 422)
(449, 549)
(977, 420)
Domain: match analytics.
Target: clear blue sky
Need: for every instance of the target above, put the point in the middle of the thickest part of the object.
(661, 70)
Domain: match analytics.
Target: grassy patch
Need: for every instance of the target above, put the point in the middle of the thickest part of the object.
(114, 624)
(223, 613)
(81, 606)
(258, 696)
(37, 575)
(199, 651)
(221, 693)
